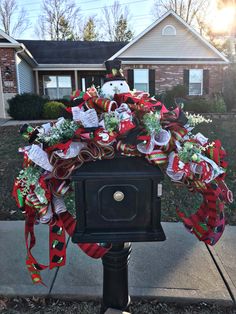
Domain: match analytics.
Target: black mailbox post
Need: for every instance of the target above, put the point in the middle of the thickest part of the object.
(117, 201)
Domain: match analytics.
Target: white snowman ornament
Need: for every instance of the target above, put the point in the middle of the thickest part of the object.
(115, 82)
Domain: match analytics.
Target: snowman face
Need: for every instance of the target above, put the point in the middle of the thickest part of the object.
(108, 89)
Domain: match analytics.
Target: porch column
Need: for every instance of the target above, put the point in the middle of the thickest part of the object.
(37, 81)
(76, 79)
(2, 101)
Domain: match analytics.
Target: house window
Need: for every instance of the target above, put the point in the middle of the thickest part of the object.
(169, 30)
(195, 82)
(141, 79)
(56, 87)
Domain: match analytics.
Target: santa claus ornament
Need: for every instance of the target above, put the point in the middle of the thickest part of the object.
(103, 124)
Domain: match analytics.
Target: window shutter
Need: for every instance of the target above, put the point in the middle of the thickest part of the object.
(131, 79)
(186, 80)
(205, 82)
(152, 82)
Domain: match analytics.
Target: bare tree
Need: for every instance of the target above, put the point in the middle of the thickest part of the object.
(14, 27)
(191, 11)
(112, 15)
(59, 20)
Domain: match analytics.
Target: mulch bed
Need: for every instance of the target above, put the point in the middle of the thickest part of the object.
(44, 306)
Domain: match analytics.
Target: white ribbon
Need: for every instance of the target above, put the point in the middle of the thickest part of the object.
(175, 176)
(162, 138)
(201, 138)
(39, 157)
(73, 150)
(216, 170)
(59, 204)
(48, 216)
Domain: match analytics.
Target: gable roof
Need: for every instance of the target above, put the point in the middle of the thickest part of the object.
(7, 40)
(201, 39)
(72, 52)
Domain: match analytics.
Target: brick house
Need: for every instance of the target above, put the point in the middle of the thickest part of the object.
(169, 52)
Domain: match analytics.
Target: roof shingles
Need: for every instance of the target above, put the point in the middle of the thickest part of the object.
(72, 52)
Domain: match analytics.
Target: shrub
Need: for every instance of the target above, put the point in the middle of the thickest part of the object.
(198, 105)
(218, 104)
(65, 101)
(53, 110)
(205, 105)
(172, 96)
(229, 93)
(26, 106)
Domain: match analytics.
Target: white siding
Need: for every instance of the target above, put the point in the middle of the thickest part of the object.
(182, 45)
(26, 76)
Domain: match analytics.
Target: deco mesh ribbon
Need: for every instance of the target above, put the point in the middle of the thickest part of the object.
(131, 124)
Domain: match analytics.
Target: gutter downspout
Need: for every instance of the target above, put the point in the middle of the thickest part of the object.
(17, 70)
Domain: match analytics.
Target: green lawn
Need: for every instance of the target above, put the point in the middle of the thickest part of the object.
(181, 197)
(10, 164)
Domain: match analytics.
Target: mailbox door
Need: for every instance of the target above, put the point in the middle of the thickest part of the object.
(104, 212)
(133, 216)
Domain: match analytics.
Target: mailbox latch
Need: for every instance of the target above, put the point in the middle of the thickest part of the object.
(159, 190)
(118, 196)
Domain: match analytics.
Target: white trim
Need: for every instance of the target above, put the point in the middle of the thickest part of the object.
(165, 56)
(172, 62)
(61, 67)
(2, 96)
(9, 38)
(170, 26)
(18, 45)
(201, 92)
(17, 69)
(57, 81)
(147, 71)
(69, 69)
(76, 79)
(28, 53)
(9, 45)
(37, 81)
(83, 84)
(170, 12)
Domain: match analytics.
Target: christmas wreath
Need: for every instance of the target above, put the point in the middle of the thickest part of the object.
(102, 124)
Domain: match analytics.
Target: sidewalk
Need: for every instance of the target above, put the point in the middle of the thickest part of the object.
(3, 121)
(180, 269)
(11, 122)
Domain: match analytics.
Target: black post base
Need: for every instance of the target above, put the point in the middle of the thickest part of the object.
(115, 278)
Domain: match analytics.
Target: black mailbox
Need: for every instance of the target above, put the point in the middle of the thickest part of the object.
(118, 200)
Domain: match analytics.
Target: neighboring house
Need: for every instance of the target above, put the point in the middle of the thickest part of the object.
(167, 53)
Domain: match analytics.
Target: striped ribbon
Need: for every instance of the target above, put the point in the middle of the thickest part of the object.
(208, 222)
(33, 266)
(57, 245)
(91, 249)
(157, 157)
(62, 168)
(127, 149)
(105, 105)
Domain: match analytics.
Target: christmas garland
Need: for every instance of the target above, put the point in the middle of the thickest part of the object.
(131, 124)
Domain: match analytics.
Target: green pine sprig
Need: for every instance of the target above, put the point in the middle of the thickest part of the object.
(111, 122)
(151, 122)
(29, 177)
(190, 152)
(64, 132)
